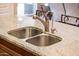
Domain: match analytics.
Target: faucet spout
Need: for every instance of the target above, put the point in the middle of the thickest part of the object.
(45, 23)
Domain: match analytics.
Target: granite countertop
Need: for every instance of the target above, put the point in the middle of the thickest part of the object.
(68, 46)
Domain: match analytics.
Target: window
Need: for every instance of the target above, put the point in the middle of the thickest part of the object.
(26, 9)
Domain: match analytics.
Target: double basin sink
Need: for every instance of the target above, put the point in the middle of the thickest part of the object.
(35, 36)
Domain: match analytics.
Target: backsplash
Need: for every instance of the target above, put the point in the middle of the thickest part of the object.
(72, 9)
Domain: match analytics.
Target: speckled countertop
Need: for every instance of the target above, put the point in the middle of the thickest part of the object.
(68, 46)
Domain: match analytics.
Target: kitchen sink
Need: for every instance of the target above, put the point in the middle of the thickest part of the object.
(35, 36)
(25, 32)
(44, 40)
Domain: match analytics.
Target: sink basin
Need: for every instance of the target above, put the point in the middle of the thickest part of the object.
(25, 32)
(44, 40)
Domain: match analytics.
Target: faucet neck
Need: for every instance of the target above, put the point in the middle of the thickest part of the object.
(46, 25)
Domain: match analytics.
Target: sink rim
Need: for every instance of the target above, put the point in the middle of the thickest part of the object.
(44, 34)
(24, 28)
(28, 27)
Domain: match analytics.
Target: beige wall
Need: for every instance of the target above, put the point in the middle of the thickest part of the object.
(7, 18)
(8, 6)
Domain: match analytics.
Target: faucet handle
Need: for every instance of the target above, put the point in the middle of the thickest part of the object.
(49, 14)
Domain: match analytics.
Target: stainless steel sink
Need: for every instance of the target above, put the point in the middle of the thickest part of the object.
(44, 40)
(25, 32)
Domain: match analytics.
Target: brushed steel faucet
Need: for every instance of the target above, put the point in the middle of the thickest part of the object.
(48, 15)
